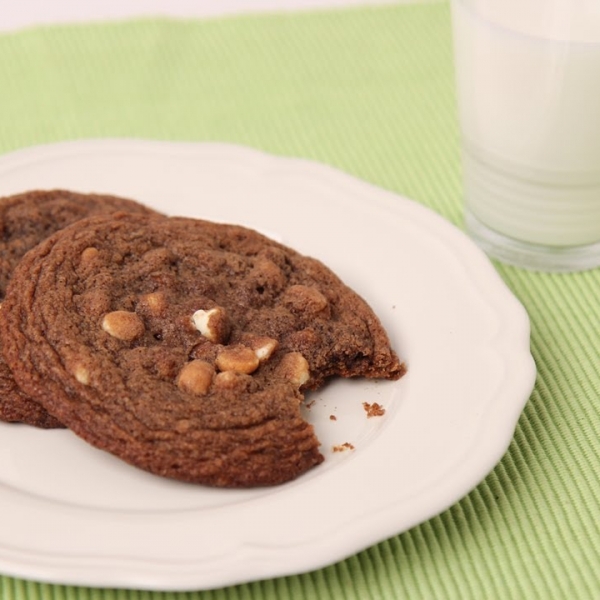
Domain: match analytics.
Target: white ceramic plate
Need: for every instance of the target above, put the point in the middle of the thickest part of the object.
(72, 514)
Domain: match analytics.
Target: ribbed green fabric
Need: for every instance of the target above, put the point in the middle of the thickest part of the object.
(369, 91)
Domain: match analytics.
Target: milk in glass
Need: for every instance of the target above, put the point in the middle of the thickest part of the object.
(528, 84)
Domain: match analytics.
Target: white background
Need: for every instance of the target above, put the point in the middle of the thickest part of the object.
(27, 13)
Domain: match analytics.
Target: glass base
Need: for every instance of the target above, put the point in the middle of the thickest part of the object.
(532, 256)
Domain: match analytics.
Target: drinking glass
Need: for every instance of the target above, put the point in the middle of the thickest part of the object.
(528, 93)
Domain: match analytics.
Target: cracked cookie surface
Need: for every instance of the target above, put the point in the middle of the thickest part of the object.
(26, 219)
(184, 346)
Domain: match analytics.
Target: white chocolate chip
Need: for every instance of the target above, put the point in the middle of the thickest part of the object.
(200, 319)
(123, 325)
(81, 374)
(232, 380)
(237, 358)
(212, 324)
(88, 255)
(294, 367)
(226, 379)
(196, 377)
(155, 302)
(262, 346)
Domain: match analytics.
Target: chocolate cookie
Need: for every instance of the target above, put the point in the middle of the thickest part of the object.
(25, 220)
(183, 346)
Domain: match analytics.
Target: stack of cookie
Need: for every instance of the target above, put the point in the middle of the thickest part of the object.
(182, 346)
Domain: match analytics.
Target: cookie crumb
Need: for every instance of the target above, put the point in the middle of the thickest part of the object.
(373, 410)
(343, 447)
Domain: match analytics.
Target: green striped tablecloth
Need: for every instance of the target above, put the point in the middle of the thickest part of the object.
(369, 91)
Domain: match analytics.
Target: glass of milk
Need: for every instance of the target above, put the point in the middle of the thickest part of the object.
(528, 91)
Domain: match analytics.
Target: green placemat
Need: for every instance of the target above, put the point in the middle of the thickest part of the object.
(369, 91)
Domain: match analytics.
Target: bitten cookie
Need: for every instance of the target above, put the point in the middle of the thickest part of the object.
(25, 220)
(183, 346)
